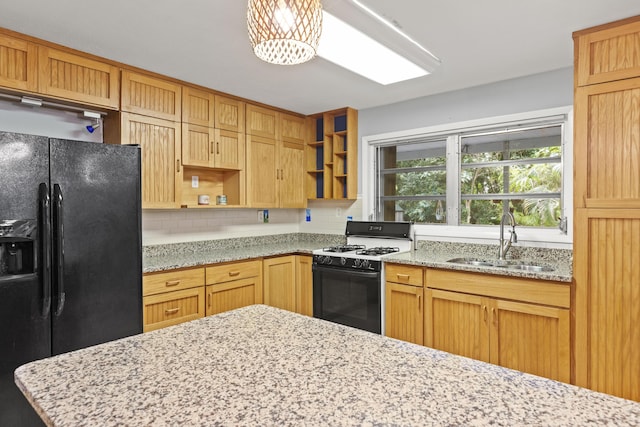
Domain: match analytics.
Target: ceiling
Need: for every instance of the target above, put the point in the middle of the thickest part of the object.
(205, 42)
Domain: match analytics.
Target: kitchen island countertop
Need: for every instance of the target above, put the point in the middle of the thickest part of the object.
(260, 365)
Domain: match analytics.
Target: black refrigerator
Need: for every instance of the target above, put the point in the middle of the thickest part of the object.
(70, 253)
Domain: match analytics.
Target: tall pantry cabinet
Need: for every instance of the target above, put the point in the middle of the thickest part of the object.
(607, 208)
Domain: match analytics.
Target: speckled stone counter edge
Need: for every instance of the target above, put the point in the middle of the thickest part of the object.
(428, 254)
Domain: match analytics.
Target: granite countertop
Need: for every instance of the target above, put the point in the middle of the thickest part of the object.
(562, 271)
(260, 365)
(429, 254)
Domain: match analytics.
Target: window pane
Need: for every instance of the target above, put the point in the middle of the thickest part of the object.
(412, 182)
(520, 171)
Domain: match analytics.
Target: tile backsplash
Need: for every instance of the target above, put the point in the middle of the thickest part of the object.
(188, 225)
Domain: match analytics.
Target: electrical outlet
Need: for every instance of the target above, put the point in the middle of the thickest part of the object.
(260, 216)
(338, 212)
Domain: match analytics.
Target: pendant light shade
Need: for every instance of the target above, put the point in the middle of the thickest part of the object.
(284, 32)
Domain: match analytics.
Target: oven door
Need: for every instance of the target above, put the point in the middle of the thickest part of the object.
(349, 297)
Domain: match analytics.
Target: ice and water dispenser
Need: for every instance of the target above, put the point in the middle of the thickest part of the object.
(17, 247)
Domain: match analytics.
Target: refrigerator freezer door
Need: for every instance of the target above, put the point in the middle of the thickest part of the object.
(102, 272)
(24, 325)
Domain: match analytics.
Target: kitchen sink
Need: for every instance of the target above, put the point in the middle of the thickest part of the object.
(507, 264)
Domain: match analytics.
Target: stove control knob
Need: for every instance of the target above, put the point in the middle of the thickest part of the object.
(356, 263)
(343, 261)
(327, 260)
(364, 263)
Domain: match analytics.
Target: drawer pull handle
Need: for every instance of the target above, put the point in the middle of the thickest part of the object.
(234, 273)
(484, 309)
(172, 283)
(172, 311)
(403, 276)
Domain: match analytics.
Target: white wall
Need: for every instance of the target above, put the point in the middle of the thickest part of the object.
(44, 121)
(182, 225)
(536, 92)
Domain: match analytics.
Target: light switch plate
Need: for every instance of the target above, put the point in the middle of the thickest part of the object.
(194, 181)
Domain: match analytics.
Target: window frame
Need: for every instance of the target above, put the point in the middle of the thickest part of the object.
(529, 236)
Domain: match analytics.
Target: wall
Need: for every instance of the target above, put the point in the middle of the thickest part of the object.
(182, 225)
(45, 121)
(529, 93)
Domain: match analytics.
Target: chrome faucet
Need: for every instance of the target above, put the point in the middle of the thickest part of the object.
(513, 238)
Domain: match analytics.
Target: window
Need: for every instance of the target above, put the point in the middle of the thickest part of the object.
(471, 174)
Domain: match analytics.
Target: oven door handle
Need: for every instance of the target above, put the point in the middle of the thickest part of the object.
(359, 273)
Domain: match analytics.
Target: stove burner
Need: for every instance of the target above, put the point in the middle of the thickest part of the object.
(344, 248)
(377, 251)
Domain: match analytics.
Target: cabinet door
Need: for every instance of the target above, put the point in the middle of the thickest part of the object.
(457, 323)
(607, 301)
(229, 114)
(608, 54)
(171, 308)
(198, 145)
(77, 78)
(160, 145)
(404, 312)
(261, 172)
(606, 145)
(19, 60)
(234, 294)
(293, 129)
(198, 107)
(291, 176)
(304, 285)
(531, 338)
(151, 96)
(279, 282)
(229, 151)
(262, 122)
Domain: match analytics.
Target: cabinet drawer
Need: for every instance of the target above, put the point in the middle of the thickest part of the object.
(233, 271)
(405, 274)
(155, 283)
(171, 308)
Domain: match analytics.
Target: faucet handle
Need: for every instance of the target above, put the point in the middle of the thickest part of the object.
(514, 236)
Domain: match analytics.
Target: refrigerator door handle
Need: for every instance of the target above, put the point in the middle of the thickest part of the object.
(58, 240)
(44, 237)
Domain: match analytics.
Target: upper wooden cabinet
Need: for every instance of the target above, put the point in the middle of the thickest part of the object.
(606, 147)
(229, 114)
(263, 122)
(608, 52)
(78, 78)
(198, 107)
(274, 173)
(293, 128)
(19, 60)
(212, 148)
(151, 96)
(332, 155)
(160, 145)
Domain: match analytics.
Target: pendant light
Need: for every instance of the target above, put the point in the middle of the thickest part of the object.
(284, 32)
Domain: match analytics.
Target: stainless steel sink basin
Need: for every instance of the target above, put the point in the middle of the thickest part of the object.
(510, 264)
(471, 261)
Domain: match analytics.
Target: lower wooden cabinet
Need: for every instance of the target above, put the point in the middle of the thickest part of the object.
(531, 335)
(279, 277)
(304, 285)
(233, 285)
(172, 297)
(404, 303)
(288, 283)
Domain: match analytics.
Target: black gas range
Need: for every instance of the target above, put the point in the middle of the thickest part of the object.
(348, 279)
